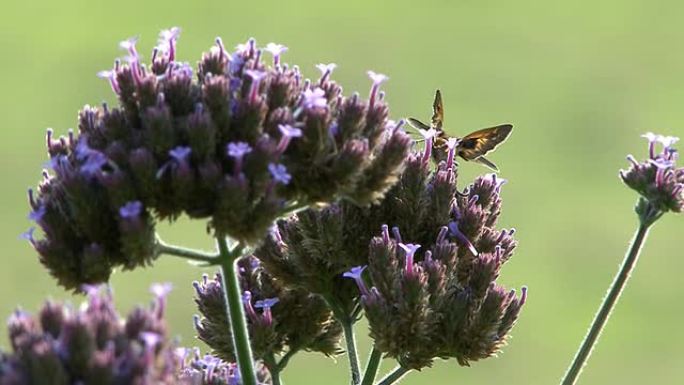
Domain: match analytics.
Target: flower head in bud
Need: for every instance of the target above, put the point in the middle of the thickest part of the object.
(299, 321)
(439, 299)
(658, 179)
(92, 343)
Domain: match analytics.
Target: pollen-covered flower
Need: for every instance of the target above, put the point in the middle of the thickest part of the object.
(658, 179)
(422, 264)
(279, 319)
(239, 143)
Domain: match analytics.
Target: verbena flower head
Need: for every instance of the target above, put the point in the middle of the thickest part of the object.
(238, 141)
(657, 179)
(89, 344)
(279, 319)
(429, 286)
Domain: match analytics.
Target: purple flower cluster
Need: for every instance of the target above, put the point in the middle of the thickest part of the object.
(196, 369)
(279, 320)
(657, 179)
(239, 141)
(90, 344)
(429, 290)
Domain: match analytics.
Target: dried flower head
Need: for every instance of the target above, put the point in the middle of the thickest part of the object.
(429, 288)
(236, 141)
(279, 319)
(657, 179)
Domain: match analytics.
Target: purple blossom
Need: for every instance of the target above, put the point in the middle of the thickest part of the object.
(410, 250)
(247, 303)
(180, 154)
(28, 235)
(129, 45)
(429, 136)
(247, 48)
(288, 132)
(151, 339)
(377, 79)
(326, 71)
(452, 143)
(167, 41)
(37, 214)
(131, 210)
(385, 233)
(276, 50)
(266, 305)
(161, 290)
(257, 76)
(315, 98)
(94, 163)
(456, 232)
(356, 273)
(111, 76)
(279, 173)
(237, 151)
(132, 58)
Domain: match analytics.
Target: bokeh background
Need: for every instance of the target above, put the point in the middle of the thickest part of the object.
(579, 80)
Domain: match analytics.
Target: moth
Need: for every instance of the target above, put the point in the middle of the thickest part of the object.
(472, 147)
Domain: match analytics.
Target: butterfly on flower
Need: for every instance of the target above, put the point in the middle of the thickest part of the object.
(472, 147)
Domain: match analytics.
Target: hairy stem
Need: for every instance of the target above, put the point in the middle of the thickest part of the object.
(607, 306)
(236, 312)
(178, 251)
(347, 323)
(394, 376)
(353, 355)
(372, 367)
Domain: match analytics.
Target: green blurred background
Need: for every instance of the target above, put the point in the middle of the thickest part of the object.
(579, 80)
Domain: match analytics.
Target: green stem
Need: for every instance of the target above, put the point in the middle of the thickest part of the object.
(273, 368)
(372, 367)
(178, 251)
(607, 306)
(347, 326)
(394, 376)
(236, 311)
(285, 359)
(353, 355)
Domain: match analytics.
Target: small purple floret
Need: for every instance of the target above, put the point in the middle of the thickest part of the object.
(315, 98)
(131, 210)
(356, 273)
(410, 250)
(180, 153)
(279, 173)
(238, 150)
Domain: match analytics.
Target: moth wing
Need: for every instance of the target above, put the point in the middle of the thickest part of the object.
(480, 142)
(437, 112)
